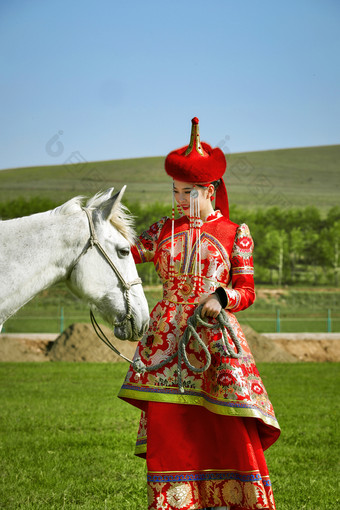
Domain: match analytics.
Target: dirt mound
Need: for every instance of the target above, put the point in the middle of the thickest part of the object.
(264, 349)
(20, 348)
(317, 347)
(311, 350)
(79, 342)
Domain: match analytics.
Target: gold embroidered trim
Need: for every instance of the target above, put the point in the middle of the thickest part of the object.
(187, 399)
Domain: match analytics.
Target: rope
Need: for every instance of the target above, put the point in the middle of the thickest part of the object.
(223, 322)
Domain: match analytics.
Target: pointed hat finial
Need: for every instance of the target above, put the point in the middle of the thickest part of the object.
(195, 142)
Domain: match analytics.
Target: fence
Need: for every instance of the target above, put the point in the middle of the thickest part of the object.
(325, 321)
(309, 319)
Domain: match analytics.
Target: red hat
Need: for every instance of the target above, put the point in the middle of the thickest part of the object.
(199, 163)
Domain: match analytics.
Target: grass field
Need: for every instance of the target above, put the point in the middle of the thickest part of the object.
(68, 441)
(286, 178)
(301, 310)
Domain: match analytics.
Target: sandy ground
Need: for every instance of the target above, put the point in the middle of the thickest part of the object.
(79, 343)
(309, 346)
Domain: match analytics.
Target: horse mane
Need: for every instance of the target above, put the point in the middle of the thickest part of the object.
(121, 219)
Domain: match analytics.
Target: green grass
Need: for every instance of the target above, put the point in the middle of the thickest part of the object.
(286, 178)
(304, 463)
(67, 440)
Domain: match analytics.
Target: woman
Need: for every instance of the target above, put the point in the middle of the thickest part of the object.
(203, 428)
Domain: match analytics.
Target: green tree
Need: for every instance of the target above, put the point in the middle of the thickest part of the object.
(22, 207)
(330, 250)
(296, 246)
(272, 251)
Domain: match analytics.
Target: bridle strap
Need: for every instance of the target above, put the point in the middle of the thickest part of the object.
(93, 241)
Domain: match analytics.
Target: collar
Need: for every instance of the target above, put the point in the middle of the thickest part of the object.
(214, 216)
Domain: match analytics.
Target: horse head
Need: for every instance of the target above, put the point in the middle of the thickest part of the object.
(105, 273)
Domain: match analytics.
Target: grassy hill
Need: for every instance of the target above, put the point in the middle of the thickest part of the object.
(285, 177)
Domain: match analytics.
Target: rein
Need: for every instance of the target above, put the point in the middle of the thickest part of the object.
(101, 335)
(93, 241)
(222, 321)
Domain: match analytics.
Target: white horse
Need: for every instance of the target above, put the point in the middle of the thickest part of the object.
(88, 248)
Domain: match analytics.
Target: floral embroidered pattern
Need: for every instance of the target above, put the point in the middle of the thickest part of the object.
(232, 492)
(217, 490)
(179, 495)
(243, 244)
(147, 243)
(229, 386)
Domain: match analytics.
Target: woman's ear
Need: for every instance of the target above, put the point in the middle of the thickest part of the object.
(211, 190)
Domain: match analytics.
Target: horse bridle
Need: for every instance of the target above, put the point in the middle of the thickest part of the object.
(93, 241)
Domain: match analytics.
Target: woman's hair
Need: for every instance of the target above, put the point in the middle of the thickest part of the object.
(214, 183)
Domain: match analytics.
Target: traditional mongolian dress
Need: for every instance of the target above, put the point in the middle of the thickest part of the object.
(204, 446)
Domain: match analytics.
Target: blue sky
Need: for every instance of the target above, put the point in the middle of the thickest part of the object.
(123, 79)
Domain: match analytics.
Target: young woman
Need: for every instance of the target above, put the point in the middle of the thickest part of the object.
(204, 425)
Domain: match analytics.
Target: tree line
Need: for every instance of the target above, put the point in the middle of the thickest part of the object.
(292, 246)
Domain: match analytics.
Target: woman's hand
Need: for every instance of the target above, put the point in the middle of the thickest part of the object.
(211, 306)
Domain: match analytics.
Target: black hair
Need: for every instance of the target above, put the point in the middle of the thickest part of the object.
(214, 183)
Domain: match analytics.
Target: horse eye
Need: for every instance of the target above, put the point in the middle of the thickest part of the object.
(123, 252)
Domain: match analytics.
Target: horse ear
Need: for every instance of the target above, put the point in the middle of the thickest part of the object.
(111, 205)
(99, 199)
(106, 195)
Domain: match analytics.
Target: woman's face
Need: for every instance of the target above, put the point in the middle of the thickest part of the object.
(182, 196)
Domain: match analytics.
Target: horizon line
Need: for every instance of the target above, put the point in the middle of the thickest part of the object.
(162, 156)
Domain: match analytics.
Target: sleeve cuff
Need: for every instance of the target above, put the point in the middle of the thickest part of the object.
(222, 296)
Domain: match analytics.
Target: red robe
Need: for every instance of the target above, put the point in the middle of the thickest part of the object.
(204, 447)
